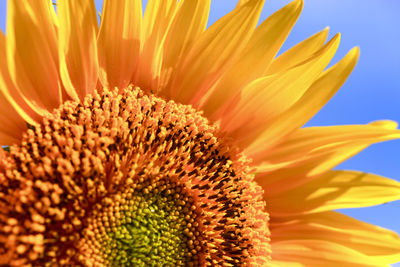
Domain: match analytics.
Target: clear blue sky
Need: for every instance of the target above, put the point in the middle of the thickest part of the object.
(373, 90)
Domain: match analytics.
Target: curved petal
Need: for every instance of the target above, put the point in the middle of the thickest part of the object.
(188, 24)
(334, 190)
(243, 116)
(156, 22)
(326, 152)
(12, 125)
(32, 53)
(313, 140)
(375, 242)
(119, 42)
(278, 181)
(215, 50)
(317, 253)
(78, 46)
(319, 93)
(264, 44)
(299, 52)
(334, 145)
(9, 91)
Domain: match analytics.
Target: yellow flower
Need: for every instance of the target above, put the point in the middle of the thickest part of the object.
(153, 141)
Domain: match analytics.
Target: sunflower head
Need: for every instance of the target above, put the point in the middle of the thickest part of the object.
(126, 179)
(152, 140)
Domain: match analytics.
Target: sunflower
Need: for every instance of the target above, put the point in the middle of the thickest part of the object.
(152, 141)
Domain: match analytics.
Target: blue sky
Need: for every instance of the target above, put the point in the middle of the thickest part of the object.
(371, 93)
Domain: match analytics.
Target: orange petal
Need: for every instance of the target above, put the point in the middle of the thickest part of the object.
(281, 172)
(32, 53)
(244, 116)
(299, 52)
(317, 253)
(306, 107)
(264, 44)
(119, 42)
(189, 22)
(12, 124)
(306, 141)
(156, 22)
(77, 46)
(334, 190)
(216, 49)
(377, 243)
(11, 93)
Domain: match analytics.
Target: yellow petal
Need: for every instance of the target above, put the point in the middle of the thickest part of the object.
(119, 42)
(11, 93)
(156, 22)
(189, 22)
(317, 253)
(377, 243)
(278, 263)
(12, 125)
(12, 122)
(215, 51)
(289, 165)
(284, 176)
(299, 52)
(334, 190)
(256, 57)
(269, 96)
(32, 53)
(157, 18)
(77, 46)
(306, 141)
(306, 107)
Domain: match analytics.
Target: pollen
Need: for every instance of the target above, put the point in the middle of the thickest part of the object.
(128, 179)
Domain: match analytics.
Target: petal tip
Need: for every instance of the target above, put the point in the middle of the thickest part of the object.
(335, 41)
(296, 5)
(325, 32)
(353, 55)
(299, 3)
(387, 124)
(355, 51)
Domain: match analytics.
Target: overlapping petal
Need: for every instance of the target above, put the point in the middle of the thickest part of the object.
(267, 97)
(296, 165)
(189, 23)
(156, 22)
(119, 42)
(312, 141)
(32, 53)
(222, 43)
(319, 93)
(14, 98)
(255, 59)
(12, 124)
(375, 242)
(334, 190)
(77, 46)
(299, 52)
(302, 253)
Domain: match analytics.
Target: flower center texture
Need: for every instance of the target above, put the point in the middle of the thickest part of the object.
(129, 179)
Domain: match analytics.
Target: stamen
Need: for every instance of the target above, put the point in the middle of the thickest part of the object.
(126, 179)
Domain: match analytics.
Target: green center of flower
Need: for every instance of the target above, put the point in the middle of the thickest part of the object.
(151, 226)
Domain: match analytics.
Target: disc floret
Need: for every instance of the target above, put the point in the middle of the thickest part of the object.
(127, 179)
